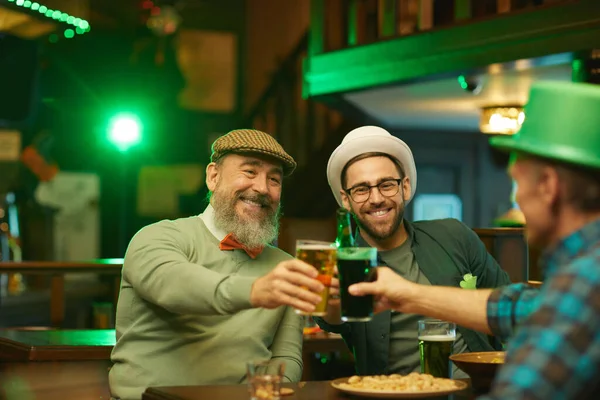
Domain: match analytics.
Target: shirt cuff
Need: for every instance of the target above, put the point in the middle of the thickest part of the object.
(501, 310)
(340, 329)
(235, 293)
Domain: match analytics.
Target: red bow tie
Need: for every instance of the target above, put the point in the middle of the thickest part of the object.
(231, 243)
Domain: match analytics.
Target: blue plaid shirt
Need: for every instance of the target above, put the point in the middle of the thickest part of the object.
(554, 351)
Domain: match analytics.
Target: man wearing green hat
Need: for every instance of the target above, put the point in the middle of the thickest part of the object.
(553, 334)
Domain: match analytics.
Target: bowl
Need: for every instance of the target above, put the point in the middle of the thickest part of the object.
(481, 367)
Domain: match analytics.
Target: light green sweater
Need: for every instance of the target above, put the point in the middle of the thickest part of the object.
(184, 316)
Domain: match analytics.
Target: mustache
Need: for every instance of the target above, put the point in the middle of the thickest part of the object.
(258, 198)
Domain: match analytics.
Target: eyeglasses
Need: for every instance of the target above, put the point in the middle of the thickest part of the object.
(362, 193)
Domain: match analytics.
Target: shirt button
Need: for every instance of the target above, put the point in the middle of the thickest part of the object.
(383, 335)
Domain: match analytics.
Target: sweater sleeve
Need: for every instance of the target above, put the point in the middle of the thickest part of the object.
(158, 269)
(287, 345)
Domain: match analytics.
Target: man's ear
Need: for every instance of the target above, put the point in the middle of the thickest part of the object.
(212, 176)
(345, 199)
(548, 185)
(406, 188)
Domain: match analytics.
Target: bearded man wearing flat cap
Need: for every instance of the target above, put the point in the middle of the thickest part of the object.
(202, 296)
(373, 175)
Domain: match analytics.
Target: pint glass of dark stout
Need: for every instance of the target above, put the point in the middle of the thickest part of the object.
(436, 341)
(356, 264)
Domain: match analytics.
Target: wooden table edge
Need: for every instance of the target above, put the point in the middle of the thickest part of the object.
(150, 394)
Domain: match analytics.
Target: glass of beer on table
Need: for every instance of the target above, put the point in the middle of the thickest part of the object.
(436, 341)
(355, 265)
(322, 256)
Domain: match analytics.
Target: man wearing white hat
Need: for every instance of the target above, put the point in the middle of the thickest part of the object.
(373, 175)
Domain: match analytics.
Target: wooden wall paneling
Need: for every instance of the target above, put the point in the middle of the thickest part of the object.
(425, 15)
(387, 15)
(509, 247)
(293, 229)
(316, 43)
(462, 9)
(408, 14)
(356, 22)
(336, 24)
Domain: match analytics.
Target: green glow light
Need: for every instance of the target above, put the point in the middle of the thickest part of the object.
(35, 6)
(125, 131)
(462, 81)
(69, 33)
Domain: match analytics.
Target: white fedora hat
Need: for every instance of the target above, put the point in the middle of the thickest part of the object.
(367, 139)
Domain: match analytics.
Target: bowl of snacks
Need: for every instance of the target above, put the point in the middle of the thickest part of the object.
(413, 385)
(481, 367)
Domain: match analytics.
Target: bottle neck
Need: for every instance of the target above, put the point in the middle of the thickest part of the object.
(344, 230)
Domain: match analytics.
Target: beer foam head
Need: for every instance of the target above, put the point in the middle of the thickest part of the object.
(357, 253)
(437, 338)
(314, 245)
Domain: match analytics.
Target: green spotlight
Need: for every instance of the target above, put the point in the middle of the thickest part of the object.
(125, 131)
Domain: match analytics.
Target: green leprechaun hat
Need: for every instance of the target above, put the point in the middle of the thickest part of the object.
(562, 123)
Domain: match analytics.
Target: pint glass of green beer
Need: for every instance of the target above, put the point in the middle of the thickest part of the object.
(436, 340)
(355, 265)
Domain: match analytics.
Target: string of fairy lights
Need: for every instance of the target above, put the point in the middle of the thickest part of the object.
(79, 25)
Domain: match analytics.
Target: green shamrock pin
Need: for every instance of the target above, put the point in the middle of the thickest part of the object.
(469, 282)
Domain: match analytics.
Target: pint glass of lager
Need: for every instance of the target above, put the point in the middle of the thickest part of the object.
(436, 340)
(356, 264)
(320, 255)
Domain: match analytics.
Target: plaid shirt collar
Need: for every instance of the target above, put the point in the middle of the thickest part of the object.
(571, 247)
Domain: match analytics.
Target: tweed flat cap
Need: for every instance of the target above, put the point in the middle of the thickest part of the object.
(252, 141)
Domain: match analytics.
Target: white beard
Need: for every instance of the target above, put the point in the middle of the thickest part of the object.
(252, 232)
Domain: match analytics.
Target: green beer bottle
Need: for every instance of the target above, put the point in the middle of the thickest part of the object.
(344, 229)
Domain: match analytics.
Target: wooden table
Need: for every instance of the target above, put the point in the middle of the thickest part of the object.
(57, 270)
(61, 365)
(80, 345)
(55, 380)
(94, 344)
(73, 364)
(302, 391)
(54, 345)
